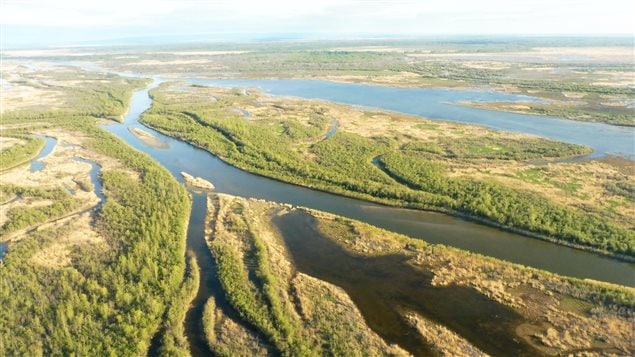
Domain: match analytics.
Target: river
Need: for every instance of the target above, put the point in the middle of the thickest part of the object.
(179, 156)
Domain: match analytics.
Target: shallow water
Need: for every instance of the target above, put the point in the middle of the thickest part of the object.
(208, 281)
(382, 286)
(209, 285)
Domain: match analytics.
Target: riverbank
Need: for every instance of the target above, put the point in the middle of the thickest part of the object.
(554, 110)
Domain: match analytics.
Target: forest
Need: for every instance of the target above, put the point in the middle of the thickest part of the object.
(111, 300)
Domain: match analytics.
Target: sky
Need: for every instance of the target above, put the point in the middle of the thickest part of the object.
(67, 22)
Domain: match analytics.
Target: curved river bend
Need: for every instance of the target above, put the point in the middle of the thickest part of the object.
(179, 156)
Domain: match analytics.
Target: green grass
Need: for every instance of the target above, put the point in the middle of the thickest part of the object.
(511, 207)
(254, 292)
(173, 340)
(533, 175)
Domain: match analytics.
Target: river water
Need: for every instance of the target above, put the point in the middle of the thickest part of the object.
(383, 287)
(432, 227)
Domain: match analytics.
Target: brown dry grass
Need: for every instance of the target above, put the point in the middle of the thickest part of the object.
(61, 170)
(235, 338)
(6, 142)
(581, 184)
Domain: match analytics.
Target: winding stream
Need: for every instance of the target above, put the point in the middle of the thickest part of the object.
(94, 178)
(36, 165)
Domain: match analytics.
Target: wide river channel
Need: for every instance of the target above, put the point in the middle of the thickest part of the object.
(178, 156)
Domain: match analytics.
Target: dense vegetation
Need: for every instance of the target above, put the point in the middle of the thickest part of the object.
(298, 315)
(490, 147)
(379, 168)
(173, 341)
(109, 301)
(586, 112)
(81, 93)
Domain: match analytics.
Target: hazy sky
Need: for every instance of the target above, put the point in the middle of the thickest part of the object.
(83, 21)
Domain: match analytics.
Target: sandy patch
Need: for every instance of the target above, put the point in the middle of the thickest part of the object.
(487, 65)
(369, 49)
(574, 95)
(617, 83)
(445, 342)
(544, 54)
(22, 97)
(538, 69)
(47, 52)
(148, 138)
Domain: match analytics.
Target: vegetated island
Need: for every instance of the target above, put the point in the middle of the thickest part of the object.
(584, 79)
